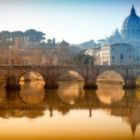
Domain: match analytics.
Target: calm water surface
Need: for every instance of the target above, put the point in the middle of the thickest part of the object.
(69, 113)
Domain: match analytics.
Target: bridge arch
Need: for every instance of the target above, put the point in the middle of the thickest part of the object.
(110, 75)
(38, 74)
(71, 75)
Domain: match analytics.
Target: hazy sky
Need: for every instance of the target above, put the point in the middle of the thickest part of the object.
(73, 20)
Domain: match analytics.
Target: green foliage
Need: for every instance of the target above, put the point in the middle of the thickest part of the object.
(83, 59)
(31, 35)
(5, 35)
(35, 36)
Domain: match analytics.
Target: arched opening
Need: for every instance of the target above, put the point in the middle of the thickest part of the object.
(70, 87)
(31, 76)
(110, 87)
(32, 87)
(111, 78)
(71, 76)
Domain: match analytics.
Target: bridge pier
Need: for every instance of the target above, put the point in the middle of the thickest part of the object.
(11, 83)
(51, 85)
(130, 83)
(90, 85)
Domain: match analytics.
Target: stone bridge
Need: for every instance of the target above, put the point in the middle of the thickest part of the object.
(52, 74)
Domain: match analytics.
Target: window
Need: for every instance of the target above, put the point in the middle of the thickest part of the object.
(113, 59)
(121, 56)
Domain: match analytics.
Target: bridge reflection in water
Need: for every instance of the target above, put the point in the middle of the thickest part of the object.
(69, 112)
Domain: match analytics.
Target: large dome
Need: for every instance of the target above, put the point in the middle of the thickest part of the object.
(131, 26)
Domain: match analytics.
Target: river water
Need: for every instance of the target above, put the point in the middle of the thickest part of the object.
(69, 113)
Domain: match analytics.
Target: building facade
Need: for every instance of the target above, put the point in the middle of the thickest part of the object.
(123, 48)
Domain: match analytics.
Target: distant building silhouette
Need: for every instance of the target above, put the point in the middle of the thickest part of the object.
(123, 47)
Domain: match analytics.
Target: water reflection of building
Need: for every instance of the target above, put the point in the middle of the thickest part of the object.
(109, 95)
(70, 93)
(13, 106)
(36, 93)
(128, 109)
(124, 105)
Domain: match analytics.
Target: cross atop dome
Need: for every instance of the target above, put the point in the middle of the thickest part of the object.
(133, 12)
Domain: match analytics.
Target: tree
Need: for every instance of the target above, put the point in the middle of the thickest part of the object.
(34, 36)
(83, 59)
(17, 34)
(30, 35)
(5, 35)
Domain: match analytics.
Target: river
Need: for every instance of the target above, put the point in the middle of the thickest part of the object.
(69, 113)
